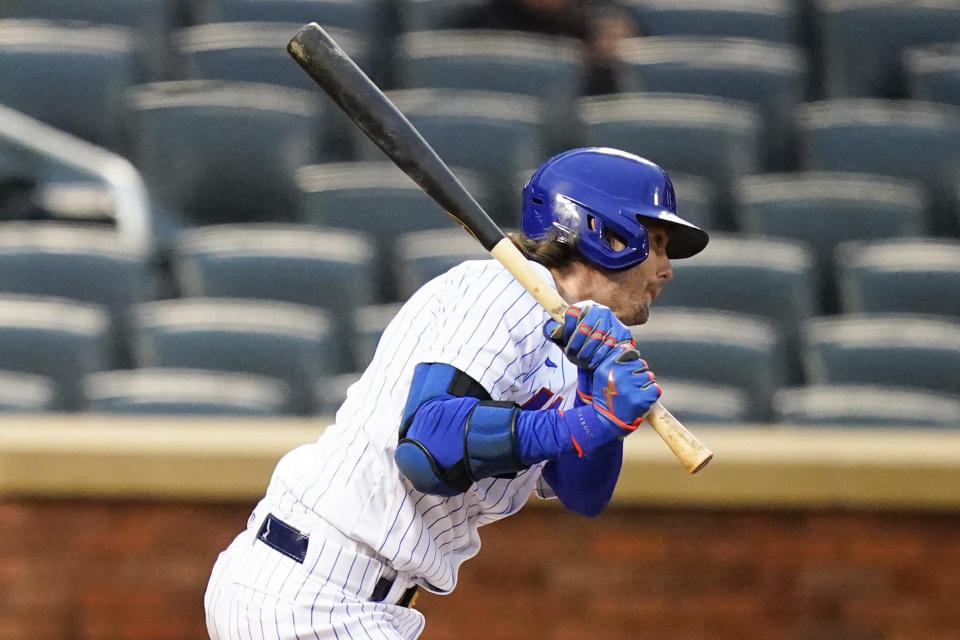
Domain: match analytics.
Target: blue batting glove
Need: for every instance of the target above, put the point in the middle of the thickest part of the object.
(589, 333)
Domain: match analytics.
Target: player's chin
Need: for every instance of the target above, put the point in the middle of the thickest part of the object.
(639, 315)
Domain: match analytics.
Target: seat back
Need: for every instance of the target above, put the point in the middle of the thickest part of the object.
(424, 255)
(60, 339)
(774, 20)
(933, 73)
(693, 402)
(70, 76)
(910, 275)
(773, 279)
(224, 152)
(185, 392)
(324, 268)
(25, 393)
(903, 350)
(824, 209)
(290, 342)
(716, 348)
(863, 41)
(865, 406)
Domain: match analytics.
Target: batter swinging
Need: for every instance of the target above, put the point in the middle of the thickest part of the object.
(472, 401)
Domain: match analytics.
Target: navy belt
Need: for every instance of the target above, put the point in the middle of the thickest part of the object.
(291, 542)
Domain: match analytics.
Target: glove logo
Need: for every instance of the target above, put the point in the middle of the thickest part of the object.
(610, 390)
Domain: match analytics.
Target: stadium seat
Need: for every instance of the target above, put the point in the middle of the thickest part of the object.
(224, 152)
(696, 201)
(771, 75)
(423, 255)
(293, 343)
(151, 20)
(708, 137)
(184, 392)
(328, 269)
(369, 323)
(359, 15)
(824, 209)
(774, 20)
(378, 200)
(255, 52)
(23, 393)
(494, 134)
(863, 41)
(421, 15)
(766, 277)
(712, 347)
(910, 275)
(85, 264)
(331, 391)
(933, 73)
(515, 62)
(56, 338)
(842, 405)
(76, 85)
(700, 402)
(903, 350)
(897, 138)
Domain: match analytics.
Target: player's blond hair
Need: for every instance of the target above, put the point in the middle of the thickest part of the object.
(552, 252)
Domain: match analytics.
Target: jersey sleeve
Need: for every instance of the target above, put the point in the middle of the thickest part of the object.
(490, 328)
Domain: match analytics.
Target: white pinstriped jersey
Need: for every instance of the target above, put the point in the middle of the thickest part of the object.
(479, 319)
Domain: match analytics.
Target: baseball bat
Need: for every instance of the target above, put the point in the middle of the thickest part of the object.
(340, 78)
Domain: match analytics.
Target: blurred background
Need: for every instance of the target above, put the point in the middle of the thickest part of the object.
(198, 254)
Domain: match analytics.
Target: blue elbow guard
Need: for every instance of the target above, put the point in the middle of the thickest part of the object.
(447, 441)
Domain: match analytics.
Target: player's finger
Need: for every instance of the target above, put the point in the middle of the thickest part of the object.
(600, 331)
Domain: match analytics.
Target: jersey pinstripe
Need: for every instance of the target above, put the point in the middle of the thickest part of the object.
(479, 319)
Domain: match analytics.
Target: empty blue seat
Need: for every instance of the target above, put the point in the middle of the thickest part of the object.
(25, 393)
(774, 20)
(910, 275)
(841, 405)
(378, 200)
(86, 264)
(903, 350)
(774, 279)
(506, 61)
(76, 85)
(496, 135)
(897, 138)
(151, 20)
(707, 137)
(702, 402)
(421, 15)
(293, 343)
(823, 209)
(56, 338)
(933, 73)
(696, 201)
(423, 255)
(771, 75)
(862, 41)
(224, 152)
(712, 347)
(184, 392)
(360, 15)
(254, 52)
(328, 269)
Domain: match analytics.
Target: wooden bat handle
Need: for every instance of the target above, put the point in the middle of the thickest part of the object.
(685, 446)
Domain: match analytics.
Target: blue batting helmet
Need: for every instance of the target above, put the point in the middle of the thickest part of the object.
(593, 193)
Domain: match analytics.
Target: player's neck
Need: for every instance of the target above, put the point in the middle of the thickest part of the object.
(575, 282)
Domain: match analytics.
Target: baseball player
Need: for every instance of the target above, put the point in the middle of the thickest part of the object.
(474, 399)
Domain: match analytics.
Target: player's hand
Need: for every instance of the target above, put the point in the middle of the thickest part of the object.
(624, 389)
(589, 333)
